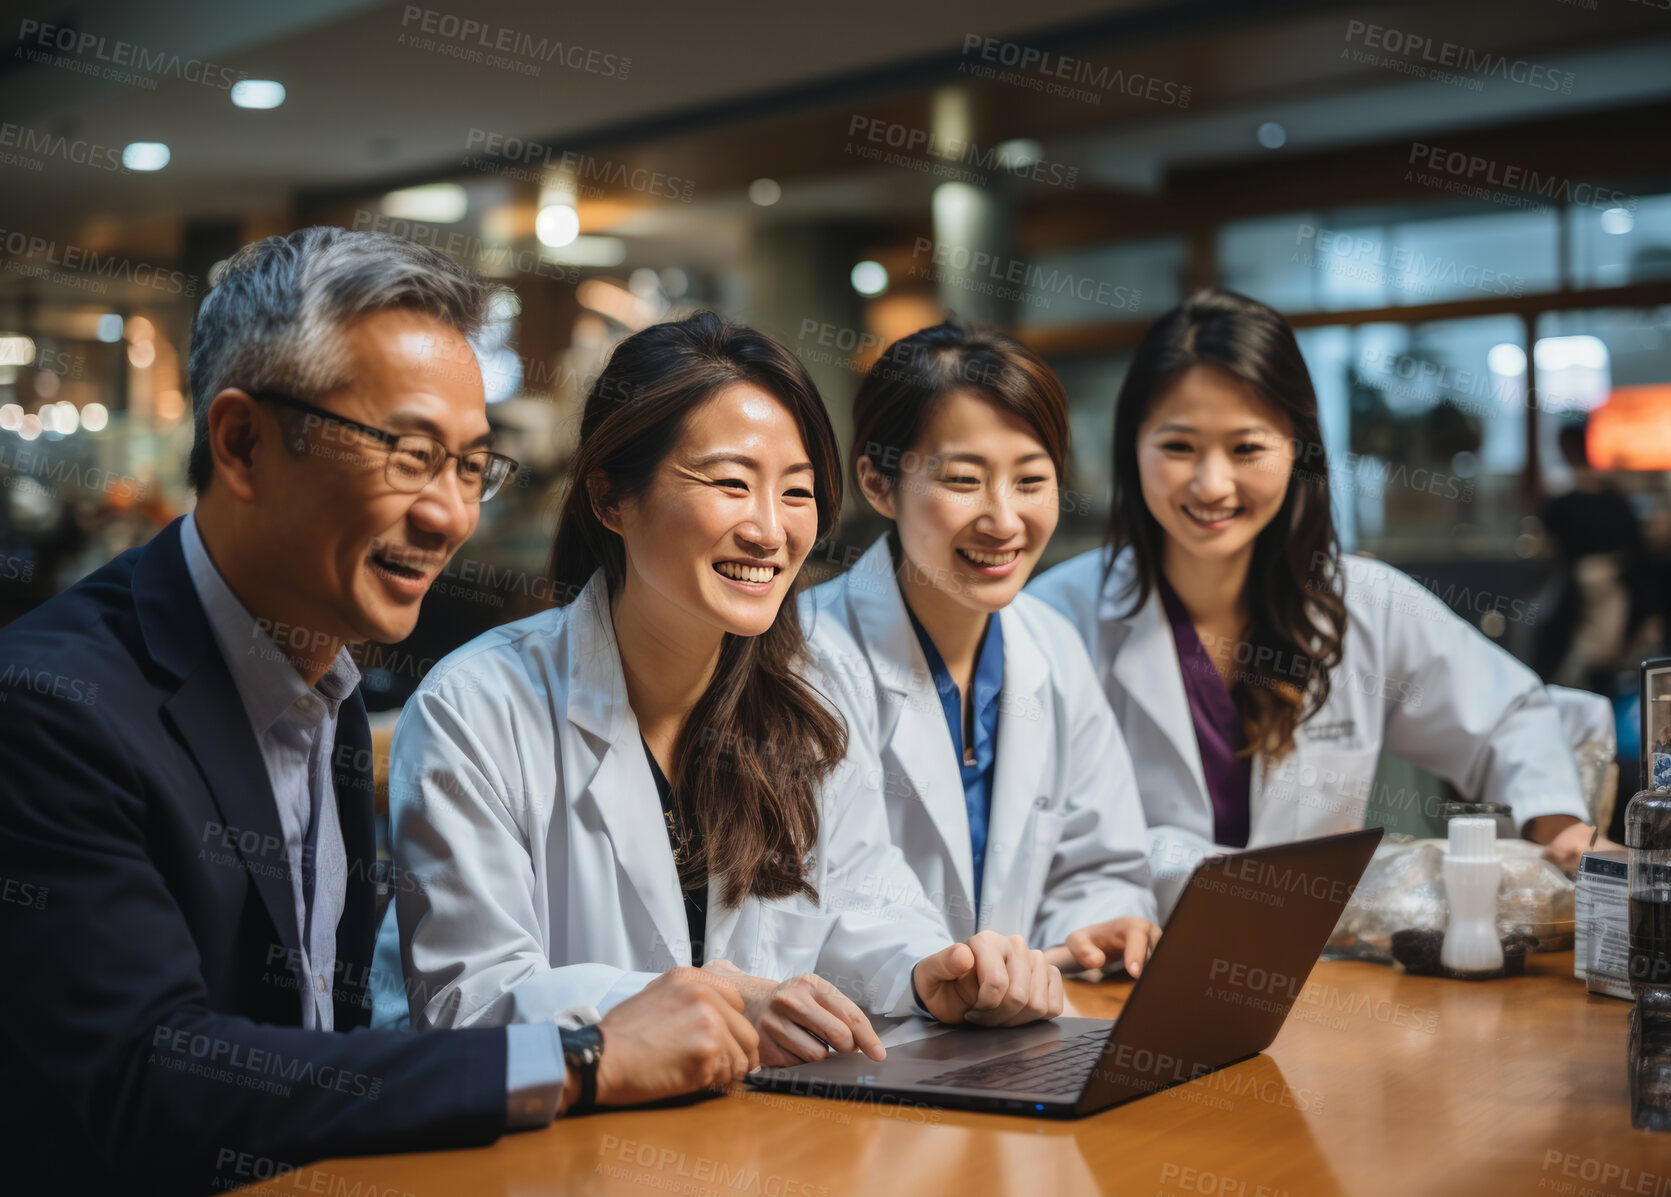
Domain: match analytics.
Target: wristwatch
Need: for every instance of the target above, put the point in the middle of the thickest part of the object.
(582, 1048)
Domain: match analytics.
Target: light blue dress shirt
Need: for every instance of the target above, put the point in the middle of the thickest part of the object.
(295, 726)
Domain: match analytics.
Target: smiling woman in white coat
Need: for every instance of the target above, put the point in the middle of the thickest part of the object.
(1008, 786)
(1257, 671)
(646, 776)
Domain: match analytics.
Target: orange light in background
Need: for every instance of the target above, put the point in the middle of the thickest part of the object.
(616, 302)
(171, 405)
(894, 316)
(1632, 430)
(142, 353)
(603, 214)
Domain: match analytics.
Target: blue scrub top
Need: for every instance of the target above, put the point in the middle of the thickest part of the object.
(977, 778)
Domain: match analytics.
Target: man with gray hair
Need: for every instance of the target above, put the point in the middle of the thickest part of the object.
(187, 797)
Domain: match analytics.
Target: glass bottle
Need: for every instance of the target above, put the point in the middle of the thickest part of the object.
(1650, 1059)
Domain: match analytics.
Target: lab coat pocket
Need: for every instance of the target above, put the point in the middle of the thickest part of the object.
(1321, 789)
(787, 943)
(1039, 846)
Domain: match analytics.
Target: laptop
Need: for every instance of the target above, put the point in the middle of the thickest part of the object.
(1235, 955)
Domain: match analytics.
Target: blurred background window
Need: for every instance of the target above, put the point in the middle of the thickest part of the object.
(1476, 262)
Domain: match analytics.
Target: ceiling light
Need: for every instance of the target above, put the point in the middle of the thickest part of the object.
(557, 225)
(257, 93)
(145, 155)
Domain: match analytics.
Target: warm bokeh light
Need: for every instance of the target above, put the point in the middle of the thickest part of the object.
(616, 302)
(16, 350)
(437, 203)
(557, 225)
(1632, 430)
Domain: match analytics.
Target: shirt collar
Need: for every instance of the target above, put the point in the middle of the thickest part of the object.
(266, 680)
(989, 666)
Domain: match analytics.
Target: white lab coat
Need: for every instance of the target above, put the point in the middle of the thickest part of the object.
(531, 857)
(1413, 679)
(1065, 835)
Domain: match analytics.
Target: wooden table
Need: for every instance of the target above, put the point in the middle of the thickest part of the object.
(1379, 1083)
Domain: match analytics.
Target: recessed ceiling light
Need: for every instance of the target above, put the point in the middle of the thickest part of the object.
(257, 93)
(145, 155)
(869, 278)
(438, 203)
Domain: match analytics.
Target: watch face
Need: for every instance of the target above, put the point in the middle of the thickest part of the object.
(582, 1043)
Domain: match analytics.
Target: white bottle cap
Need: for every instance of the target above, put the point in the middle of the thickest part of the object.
(1473, 838)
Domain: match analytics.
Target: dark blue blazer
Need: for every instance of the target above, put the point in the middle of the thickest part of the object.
(150, 1016)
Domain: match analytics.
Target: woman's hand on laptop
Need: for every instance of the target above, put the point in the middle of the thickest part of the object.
(800, 1019)
(991, 980)
(1131, 940)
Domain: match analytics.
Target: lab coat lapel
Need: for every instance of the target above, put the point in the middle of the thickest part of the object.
(1145, 663)
(1023, 744)
(913, 723)
(607, 767)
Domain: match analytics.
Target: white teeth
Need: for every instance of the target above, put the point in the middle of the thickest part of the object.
(390, 555)
(1210, 517)
(399, 568)
(746, 573)
(990, 558)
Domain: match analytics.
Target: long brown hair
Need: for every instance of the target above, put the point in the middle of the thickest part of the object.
(757, 745)
(1297, 612)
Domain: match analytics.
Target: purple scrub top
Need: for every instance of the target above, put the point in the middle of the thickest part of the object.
(1218, 727)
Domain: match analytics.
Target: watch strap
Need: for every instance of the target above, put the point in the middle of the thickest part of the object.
(582, 1047)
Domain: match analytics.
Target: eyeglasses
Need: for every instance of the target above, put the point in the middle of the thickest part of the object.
(415, 459)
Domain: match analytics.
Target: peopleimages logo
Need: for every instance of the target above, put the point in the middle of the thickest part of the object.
(38, 41)
(1420, 56)
(531, 158)
(1014, 278)
(471, 40)
(1345, 252)
(1062, 75)
(29, 248)
(28, 140)
(917, 146)
(1475, 170)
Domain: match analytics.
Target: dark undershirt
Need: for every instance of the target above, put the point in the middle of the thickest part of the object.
(696, 900)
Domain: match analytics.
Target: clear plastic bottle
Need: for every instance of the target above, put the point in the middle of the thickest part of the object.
(1648, 836)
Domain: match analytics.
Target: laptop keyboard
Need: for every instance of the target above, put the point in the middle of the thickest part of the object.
(1062, 1069)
